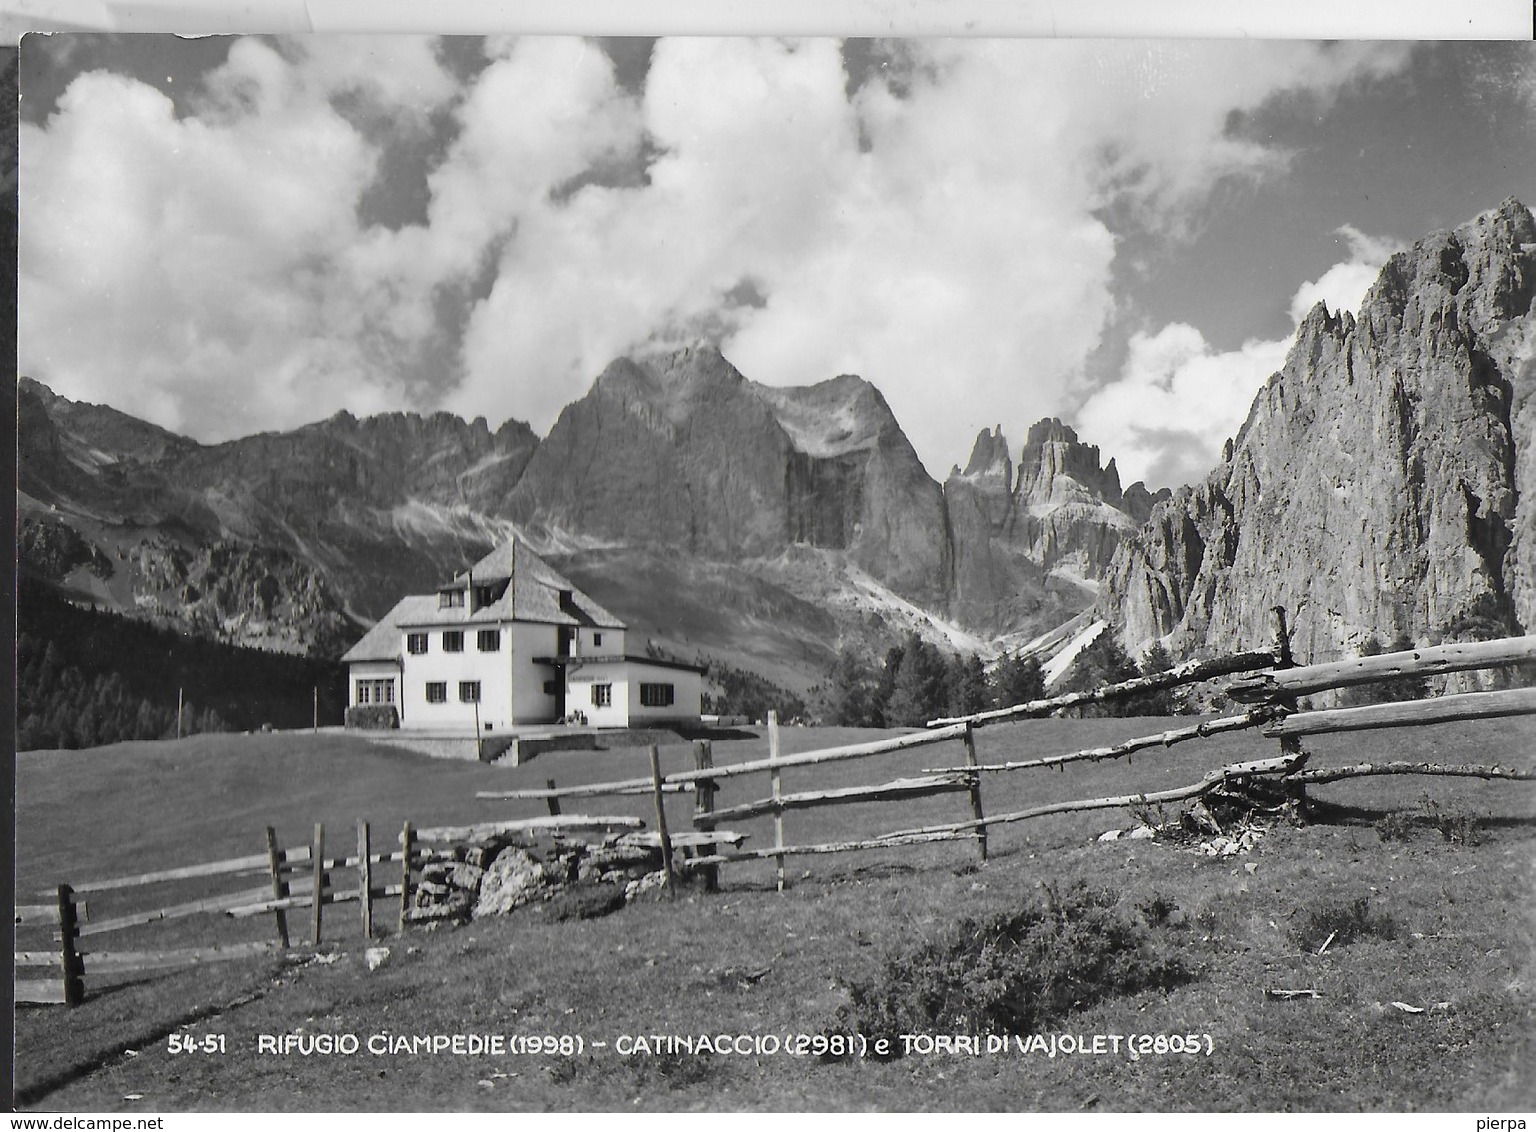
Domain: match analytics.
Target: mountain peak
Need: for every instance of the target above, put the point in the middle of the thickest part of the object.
(989, 456)
(1056, 467)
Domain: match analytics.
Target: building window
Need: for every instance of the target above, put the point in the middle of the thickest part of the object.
(597, 640)
(602, 695)
(484, 595)
(453, 640)
(655, 695)
(489, 640)
(450, 599)
(415, 643)
(375, 692)
(437, 692)
(469, 691)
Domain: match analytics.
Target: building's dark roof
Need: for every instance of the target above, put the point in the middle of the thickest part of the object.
(614, 658)
(533, 595)
(382, 642)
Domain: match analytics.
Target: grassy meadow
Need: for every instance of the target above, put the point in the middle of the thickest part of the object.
(1424, 884)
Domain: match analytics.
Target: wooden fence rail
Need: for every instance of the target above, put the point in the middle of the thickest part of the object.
(1204, 730)
(1190, 672)
(1384, 666)
(896, 790)
(1412, 713)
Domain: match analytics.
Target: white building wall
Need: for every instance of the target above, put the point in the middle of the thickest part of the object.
(579, 690)
(530, 703)
(599, 642)
(624, 679)
(687, 693)
(492, 669)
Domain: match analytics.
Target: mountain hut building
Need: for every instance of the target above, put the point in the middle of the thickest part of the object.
(511, 642)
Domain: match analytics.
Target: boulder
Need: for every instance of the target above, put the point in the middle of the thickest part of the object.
(515, 878)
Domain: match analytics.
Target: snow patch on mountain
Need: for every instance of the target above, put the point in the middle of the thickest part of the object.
(1057, 666)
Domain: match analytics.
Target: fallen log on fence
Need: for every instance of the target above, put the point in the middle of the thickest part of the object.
(939, 783)
(306, 900)
(235, 866)
(1413, 713)
(685, 839)
(680, 781)
(527, 825)
(176, 911)
(1253, 718)
(636, 786)
(238, 866)
(885, 841)
(110, 962)
(29, 915)
(1190, 672)
(1366, 770)
(1211, 781)
(1384, 666)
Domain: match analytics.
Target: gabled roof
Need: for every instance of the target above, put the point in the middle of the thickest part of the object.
(382, 642)
(533, 595)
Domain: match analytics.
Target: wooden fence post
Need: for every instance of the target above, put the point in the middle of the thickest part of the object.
(1290, 745)
(317, 858)
(69, 949)
(276, 858)
(554, 803)
(704, 804)
(778, 814)
(365, 878)
(975, 791)
(661, 823)
(407, 846)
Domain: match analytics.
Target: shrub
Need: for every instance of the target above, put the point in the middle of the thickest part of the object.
(1012, 972)
(1456, 827)
(373, 717)
(1157, 910)
(1343, 923)
(1395, 827)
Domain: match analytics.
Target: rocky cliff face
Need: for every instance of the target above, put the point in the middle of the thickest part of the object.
(684, 452)
(271, 539)
(1382, 482)
(1035, 538)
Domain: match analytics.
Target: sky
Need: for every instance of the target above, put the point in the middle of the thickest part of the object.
(230, 235)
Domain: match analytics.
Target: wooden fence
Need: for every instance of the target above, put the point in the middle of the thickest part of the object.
(1268, 681)
(305, 878)
(291, 878)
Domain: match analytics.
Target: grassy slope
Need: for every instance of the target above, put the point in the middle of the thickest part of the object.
(1464, 917)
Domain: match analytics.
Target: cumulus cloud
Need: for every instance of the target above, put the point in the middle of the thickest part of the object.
(940, 233)
(1344, 284)
(1176, 401)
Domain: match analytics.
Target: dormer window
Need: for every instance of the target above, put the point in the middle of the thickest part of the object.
(450, 599)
